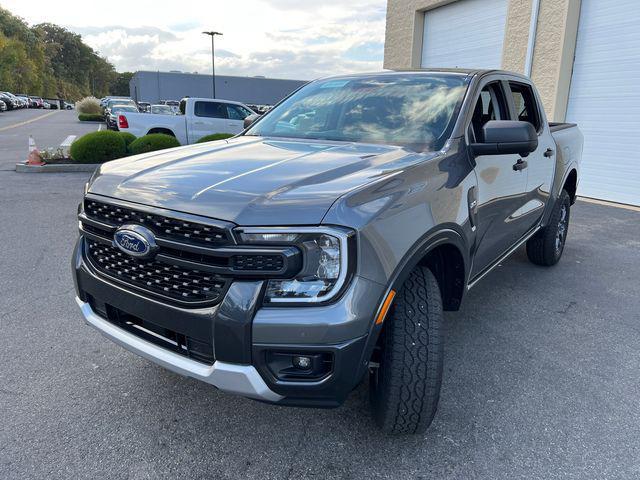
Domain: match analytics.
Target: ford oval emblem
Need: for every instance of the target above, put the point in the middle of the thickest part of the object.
(135, 240)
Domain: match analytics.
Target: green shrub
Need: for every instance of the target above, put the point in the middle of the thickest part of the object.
(128, 138)
(215, 136)
(98, 147)
(90, 117)
(152, 142)
(89, 105)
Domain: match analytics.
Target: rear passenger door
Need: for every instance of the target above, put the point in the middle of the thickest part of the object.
(208, 117)
(500, 188)
(525, 107)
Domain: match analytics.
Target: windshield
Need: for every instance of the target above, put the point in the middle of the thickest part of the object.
(120, 101)
(411, 110)
(123, 108)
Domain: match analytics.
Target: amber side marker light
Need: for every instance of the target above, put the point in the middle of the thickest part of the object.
(385, 307)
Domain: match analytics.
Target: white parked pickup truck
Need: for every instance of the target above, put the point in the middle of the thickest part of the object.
(198, 117)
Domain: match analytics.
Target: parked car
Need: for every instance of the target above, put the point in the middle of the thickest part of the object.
(322, 244)
(38, 102)
(118, 101)
(10, 102)
(113, 112)
(161, 109)
(68, 106)
(16, 101)
(144, 107)
(104, 100)
(200, 117)
(24, 99)
(174, 104)
(46, 104)
(3, 106)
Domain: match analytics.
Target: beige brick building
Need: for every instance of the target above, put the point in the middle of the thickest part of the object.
(583, 55)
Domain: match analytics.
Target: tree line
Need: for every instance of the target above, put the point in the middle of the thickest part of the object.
(50, 61)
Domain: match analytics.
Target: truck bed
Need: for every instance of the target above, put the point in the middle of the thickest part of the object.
(555, 126)
(569, 140)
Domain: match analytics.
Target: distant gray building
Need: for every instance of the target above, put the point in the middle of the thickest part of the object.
(152, 87)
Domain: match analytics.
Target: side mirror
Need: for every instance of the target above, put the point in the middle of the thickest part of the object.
(250, 119)
(507, 136)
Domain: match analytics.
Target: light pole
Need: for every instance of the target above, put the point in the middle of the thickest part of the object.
(212, 34)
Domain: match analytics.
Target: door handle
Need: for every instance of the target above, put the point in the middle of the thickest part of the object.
(520, 165)
(548, 152)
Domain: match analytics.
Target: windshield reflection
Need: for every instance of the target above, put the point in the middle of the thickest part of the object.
(415, 110)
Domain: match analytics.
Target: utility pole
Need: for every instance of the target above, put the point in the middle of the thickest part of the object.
(212, 34)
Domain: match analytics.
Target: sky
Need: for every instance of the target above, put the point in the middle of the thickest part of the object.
(302, 39)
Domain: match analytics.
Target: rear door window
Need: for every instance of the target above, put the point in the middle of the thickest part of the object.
(526, 109)
(210, 110)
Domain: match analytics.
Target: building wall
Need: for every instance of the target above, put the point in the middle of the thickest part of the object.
(553, 50)
(155, 86)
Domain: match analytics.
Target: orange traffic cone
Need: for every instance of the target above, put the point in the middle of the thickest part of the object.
(34, 155)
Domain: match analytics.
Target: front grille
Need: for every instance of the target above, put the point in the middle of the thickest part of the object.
(165, 227)
(257, 263)
(194, 262)
(172, 281)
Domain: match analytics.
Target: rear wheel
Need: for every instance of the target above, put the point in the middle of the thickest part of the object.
(405, 388)
(546, 247)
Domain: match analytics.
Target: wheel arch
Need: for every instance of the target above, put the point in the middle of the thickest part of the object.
(571, 184)
(164, 130)
(444, 252)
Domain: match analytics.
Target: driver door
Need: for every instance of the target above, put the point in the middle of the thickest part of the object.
(501, 188)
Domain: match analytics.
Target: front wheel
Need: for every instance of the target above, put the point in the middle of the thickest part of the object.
(546, 247)
(405, 388)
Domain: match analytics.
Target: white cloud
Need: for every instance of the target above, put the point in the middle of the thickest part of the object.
(278, 38)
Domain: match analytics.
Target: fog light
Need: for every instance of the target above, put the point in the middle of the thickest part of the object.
(302, 362)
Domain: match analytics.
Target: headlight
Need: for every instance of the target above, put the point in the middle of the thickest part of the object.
(325, 265)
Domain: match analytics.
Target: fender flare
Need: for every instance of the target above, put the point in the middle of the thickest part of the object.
(441, 235)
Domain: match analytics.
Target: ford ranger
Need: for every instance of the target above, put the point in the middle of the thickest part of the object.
(321, 245)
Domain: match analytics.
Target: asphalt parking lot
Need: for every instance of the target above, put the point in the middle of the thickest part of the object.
(541, 374)
(48, 128)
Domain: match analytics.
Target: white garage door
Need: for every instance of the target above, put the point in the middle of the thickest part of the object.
(605, 99)
(465, 34)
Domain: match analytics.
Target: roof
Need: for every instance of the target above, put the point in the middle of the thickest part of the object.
(459, 71)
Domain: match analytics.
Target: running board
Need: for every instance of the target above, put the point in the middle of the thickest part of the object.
(481, 275)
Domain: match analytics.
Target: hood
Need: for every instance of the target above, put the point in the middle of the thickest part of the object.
(250, 180)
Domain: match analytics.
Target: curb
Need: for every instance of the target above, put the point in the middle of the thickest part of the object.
(57, 168)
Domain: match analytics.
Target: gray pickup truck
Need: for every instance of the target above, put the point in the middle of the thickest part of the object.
(322, 244)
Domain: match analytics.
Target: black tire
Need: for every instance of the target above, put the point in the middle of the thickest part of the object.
(545, 247)
(405, 388)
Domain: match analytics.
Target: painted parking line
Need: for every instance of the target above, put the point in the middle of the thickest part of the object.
(26, 122)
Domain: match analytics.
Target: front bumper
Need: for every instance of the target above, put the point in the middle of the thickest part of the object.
(240, 379)
(242, 335)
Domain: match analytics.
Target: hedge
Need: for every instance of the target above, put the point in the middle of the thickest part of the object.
(128, 138)
(215, 136)
(90, 117)
(152, 142)
(98, 147)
